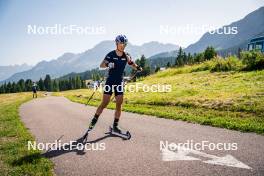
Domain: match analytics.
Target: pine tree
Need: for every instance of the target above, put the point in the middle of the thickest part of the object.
(142, 62)
(78, 82)
(2, 89)
(179, 59)
(62, 86)
(21, 83)
(189, 59)
(47, 83)
(69, 84)
(239, 53)
(184, 58)
(55, 86)
(209, 53)
(73, 83)
(28, 85)
(168, 65)
(8, 87)
(18, 88)
(13, 87)
(41, 85)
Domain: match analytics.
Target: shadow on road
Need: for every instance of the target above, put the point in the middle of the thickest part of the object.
(78, 151)
(35, 157)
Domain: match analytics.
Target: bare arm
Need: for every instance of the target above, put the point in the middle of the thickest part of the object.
(133, 64)
(103, 64)
(136, 67)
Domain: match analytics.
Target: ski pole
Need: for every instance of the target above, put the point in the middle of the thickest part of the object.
(91, 96)
(132, 77)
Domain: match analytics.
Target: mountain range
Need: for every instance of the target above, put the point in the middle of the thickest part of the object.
(70, 62)
(252, 25)
(7, 71)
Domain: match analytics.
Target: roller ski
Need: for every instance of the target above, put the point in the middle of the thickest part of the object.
(85, 136)
(116, 131)
(91, 126)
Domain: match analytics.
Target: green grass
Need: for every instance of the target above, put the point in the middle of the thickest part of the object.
(16, 159)
(232, 100)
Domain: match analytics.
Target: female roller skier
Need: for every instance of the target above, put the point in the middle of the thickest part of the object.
(116, 61)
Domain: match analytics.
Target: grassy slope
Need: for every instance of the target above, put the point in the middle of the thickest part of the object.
(230, 100)
(15, 158)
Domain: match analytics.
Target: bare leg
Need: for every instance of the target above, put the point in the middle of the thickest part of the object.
(104, 103)
(119, 102)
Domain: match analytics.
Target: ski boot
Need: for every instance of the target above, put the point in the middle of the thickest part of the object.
(91, 126)
(115, 130)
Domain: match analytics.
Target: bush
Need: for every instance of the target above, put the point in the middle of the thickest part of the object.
(253, 60)
(203, 66)
(250, 60)
(232, 63)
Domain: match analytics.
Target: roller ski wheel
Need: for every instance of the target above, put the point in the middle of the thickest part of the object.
(85, 136)
(117, 132)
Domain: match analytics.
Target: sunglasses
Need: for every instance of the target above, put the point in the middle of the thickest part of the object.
(125, 44)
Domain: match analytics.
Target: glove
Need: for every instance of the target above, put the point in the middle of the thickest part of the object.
(139, 68)
(110, 65)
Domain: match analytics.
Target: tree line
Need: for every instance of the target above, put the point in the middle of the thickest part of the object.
(43, 85)
(181, 59)
(76, 81)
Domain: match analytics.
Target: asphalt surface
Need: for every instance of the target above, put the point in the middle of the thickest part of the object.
(53, 118)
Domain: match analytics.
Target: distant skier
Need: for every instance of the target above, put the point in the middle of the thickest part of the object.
(34, 90)
(116, 61)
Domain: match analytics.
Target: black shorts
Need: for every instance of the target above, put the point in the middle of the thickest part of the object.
(118, 89)
(34, 91)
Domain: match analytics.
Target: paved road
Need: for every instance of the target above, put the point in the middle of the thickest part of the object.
(51, 117)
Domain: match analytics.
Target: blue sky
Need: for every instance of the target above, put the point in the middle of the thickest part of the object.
(140, 20)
